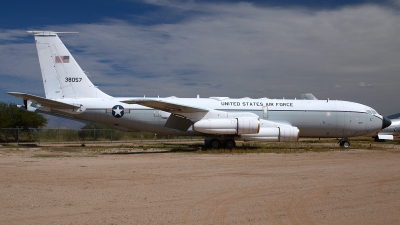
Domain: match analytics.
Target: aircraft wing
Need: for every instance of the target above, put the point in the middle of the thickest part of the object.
(166, 106)
(44, 101)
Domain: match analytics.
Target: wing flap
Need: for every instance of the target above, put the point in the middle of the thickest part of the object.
(178, 123)
(44, 101)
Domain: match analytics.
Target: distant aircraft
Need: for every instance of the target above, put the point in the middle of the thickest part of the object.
(389, 132)
(220, 120)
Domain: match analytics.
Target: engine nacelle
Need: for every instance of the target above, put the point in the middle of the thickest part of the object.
(284, 133)
(248, 125)
(289, 133)
(241, 125)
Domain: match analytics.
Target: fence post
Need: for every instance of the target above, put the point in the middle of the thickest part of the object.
(17, 135)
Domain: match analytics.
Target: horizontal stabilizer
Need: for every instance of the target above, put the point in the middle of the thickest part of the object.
(165, 106)
(44, 101)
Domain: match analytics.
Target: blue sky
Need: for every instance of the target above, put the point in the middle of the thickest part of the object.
(347, 50)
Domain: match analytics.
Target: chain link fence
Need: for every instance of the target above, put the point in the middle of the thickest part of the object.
(20, 135)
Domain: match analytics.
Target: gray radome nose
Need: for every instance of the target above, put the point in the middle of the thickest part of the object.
(386, 122)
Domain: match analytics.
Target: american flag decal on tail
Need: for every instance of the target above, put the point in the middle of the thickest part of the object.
(62, 59)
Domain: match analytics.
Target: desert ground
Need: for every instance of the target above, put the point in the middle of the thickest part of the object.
(44, 185)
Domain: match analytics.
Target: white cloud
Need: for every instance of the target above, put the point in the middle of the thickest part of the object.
(237, 50)
(363, 84)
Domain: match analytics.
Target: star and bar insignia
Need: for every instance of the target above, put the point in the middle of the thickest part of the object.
(118, 111)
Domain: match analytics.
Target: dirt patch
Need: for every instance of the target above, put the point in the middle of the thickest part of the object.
(45, 186)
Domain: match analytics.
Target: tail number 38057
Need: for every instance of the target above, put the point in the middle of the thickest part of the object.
(73, 79)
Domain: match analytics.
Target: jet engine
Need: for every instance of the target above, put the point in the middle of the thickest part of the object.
(228, 126)
(284, 133)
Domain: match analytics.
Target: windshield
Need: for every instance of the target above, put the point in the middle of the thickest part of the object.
(371, 111)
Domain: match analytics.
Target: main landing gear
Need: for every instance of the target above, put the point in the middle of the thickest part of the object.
(220, 143)
(344, 142)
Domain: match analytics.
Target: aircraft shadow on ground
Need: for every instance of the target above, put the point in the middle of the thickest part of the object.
(186, 149)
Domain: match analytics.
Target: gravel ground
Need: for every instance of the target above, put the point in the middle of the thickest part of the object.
(357, 186)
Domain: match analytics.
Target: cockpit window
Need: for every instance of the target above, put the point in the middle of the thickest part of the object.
(372, 111)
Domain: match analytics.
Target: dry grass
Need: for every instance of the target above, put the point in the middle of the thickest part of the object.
(91, 150)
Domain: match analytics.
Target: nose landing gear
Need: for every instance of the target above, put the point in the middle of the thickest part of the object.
(344, 143)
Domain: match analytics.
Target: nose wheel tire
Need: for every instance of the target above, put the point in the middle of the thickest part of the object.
(344, 143)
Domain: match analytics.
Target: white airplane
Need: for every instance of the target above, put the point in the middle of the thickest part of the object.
(220, 120)
(389, 132)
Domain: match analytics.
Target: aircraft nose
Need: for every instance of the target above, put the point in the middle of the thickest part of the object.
(386, 122)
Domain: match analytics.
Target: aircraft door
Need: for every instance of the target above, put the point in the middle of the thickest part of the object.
(265, 111)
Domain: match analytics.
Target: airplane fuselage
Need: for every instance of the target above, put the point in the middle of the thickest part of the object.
(314, 118)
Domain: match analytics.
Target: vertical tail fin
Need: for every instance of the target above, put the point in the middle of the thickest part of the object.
(62, 76)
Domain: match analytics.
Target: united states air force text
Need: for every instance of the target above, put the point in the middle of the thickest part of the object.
(282, 104)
